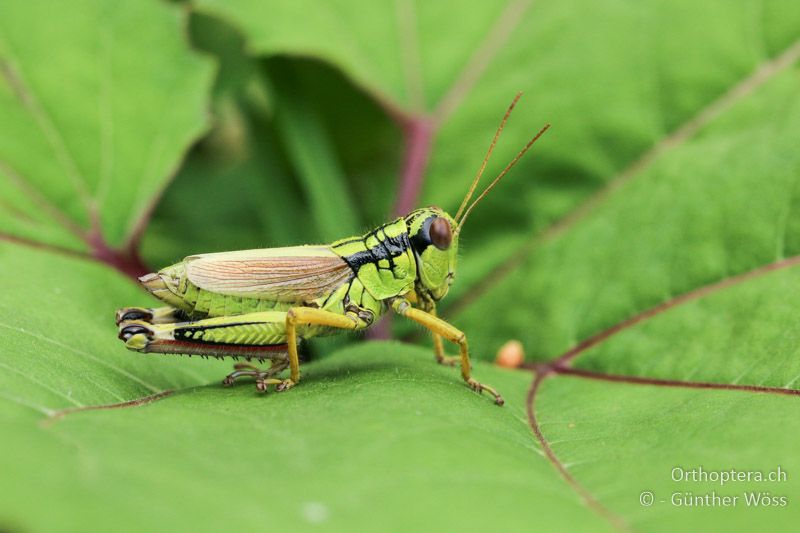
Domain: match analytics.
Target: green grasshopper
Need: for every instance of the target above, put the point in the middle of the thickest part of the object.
(257, 304)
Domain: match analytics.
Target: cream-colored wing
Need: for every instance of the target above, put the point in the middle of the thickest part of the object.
(295, 274)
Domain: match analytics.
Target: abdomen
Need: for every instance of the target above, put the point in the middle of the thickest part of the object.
(171, 286)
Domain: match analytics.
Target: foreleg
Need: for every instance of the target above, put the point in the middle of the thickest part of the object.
(437, 326)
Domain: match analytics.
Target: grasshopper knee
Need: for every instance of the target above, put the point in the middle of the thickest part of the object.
(133, 313)
(136, 336)
(294, 317)
(127, 332)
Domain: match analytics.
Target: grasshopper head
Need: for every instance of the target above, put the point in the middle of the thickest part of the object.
(434, 234)
(434, 239)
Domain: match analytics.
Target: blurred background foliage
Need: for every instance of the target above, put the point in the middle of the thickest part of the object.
(294, 156)
(155, 130)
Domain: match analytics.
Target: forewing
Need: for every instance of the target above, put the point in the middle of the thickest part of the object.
(296, 274)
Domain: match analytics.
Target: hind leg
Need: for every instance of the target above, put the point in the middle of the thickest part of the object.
(298, 316)
(150, 315)
(251, 336)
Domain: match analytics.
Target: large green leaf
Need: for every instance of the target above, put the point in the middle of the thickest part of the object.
(375, 427)
(98, 103)
(670, 302)
(370, 433)
(620, 440)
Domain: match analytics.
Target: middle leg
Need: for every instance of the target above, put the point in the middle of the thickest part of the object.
(438, 345)
(277, 365)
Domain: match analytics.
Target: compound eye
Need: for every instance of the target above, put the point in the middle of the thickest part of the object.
(441, 234)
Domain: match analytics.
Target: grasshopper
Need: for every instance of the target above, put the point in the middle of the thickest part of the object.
(258, 304)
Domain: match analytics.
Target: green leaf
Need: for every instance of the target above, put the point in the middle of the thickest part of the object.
(254, 197)
(98, 103)
(719, 203)
(620, 440)
(659, 315)
(311, 153)
(204, 443)
(58, 342)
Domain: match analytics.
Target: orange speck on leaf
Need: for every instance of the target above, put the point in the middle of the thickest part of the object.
(510, 355)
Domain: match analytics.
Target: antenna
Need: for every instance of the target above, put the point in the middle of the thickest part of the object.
(503, 173)
(486, 159)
